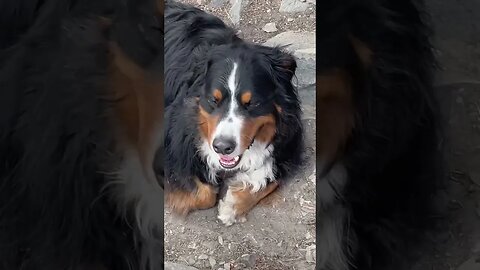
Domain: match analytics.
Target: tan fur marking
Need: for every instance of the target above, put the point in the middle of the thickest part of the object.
(139, 110)
(335, 113)
(245, 200)
(208, 124)
(246, 97)
(183, 202)
(261, 128)
(217, 94)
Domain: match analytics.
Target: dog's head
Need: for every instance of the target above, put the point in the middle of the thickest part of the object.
(245, 89)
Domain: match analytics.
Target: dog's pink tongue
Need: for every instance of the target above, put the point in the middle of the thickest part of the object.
(226, 158)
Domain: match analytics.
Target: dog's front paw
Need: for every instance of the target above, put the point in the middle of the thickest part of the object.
(226, 212)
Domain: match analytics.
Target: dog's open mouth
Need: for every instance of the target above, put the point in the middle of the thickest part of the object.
(228, 162)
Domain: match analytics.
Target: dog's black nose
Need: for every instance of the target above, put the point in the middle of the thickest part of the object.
(224, 146)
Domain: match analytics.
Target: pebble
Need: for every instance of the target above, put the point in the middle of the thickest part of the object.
(203, 257)
(220, 240)
(191, 260)
(212, 261)
(289, 19)
(270, 27)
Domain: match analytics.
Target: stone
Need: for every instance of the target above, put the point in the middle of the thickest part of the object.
(220, 240)
(212, 261)
(291, 6)
(303, 46)
(270, 28)
(177, 266)
(191, 260)
(236, 10)
(217, 3)
(203, 257)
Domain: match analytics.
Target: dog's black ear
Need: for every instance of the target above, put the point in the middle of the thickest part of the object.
(283, 63)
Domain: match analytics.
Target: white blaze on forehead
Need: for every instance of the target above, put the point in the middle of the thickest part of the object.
(230, 126)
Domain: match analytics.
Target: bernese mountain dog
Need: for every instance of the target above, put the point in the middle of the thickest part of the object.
(81, 109)
(379, 150)
(232, 116)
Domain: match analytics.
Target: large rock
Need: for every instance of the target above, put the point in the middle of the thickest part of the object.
(236, 10)
(295, 5)
(177, 266)
(303, 47)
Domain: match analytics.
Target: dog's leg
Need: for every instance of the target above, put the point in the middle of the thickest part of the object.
(182, 202)
(239, 200)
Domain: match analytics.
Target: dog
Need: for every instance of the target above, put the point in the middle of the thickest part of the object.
(81, 110)
(379, 138)
(233, 132)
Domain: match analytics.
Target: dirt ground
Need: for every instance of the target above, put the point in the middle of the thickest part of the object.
(281, 236)
(257, 14)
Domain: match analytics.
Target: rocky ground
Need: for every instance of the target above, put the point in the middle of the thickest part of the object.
(282, 235)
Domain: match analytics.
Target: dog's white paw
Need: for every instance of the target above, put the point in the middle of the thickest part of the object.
(226, 212)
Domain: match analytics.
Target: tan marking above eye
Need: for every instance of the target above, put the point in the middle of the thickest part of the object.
(217, 94)
(246, 97)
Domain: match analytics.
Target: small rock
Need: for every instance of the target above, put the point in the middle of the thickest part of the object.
(212, 261)
(177, 266)
(270, 28)
(191, 260)
(203, 257)
(294, 6)
(308, 235)
(227, 266)
(220, 240)
(192, 246)
(289, 19)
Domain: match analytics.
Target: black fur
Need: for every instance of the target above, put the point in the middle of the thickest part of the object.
(393, 156)
(56, 143)
(197, 44)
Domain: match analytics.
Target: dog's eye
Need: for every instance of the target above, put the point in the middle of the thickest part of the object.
(251, 105)
(213, 101)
